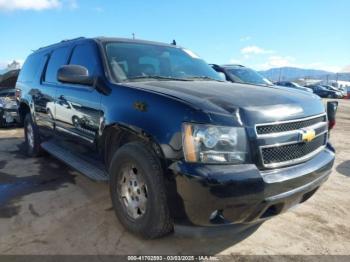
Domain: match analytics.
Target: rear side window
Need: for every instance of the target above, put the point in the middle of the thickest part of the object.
(30, 68)
(58, 58)
(85, 55)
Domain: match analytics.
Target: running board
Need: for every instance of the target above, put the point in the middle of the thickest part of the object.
(75, 162)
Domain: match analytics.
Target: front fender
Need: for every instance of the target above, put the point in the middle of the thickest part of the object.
(150, 114)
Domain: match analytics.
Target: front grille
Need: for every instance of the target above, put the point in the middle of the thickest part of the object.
(285, 127)
(284, 153)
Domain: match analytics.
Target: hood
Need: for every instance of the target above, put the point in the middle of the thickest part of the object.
(255, 104)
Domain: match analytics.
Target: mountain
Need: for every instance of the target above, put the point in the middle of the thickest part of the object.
(293, 73)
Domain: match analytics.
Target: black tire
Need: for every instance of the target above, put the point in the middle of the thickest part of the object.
(33, 148)
(2, 120)
(75, 121)
(156, 221)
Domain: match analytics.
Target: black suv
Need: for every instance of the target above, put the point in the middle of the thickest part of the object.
(241, 74)
(174, 142)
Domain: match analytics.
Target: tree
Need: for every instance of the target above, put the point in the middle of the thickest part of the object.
(14, 65)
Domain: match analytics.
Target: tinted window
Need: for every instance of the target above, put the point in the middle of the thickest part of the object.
(58, 58)
(30, 67)
(85, 55)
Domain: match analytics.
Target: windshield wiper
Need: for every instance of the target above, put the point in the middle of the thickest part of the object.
(205, 78)
(157, 77)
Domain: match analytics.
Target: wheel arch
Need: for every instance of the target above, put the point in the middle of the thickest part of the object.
(23, 110)
(116, 135)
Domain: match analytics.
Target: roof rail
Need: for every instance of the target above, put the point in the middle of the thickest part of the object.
(63, 41)
(73, 39)
(233, 65)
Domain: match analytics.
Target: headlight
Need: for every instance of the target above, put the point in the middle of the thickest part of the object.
(214, 144)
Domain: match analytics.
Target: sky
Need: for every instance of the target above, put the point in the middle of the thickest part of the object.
(259, 34)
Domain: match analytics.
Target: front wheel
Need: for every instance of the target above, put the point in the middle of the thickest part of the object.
(32, 138)
(138, 191)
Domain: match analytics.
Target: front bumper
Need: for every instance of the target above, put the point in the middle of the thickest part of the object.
(225, 194)
(9, 116)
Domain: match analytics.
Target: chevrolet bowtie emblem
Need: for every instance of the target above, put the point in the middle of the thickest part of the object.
(308, 135)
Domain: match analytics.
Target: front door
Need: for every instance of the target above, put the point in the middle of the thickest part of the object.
(78, 108)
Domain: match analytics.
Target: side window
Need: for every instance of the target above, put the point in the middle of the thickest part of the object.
(58, 58)
(31, 67)
(85, 55)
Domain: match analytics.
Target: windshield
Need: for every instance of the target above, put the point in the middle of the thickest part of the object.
(248, 76)
(297, 85)
(137, 62)
(323, 88)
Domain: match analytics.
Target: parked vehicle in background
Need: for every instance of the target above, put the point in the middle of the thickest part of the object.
(241, 74)
(8, 107)
(336, 89)
(8, 102)
(174, 141)
(245, 75)
(324, 92)
(293, 85)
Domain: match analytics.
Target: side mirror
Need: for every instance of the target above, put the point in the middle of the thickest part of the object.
(75, 74)
(332, 107)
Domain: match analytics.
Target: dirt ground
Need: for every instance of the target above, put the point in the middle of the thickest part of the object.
(47, 208)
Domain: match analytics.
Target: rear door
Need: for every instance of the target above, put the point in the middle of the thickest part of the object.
(44, 98)
(78, 107)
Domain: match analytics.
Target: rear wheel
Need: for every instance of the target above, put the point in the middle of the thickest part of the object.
(138, 191)
(2, 120)
(32, 139)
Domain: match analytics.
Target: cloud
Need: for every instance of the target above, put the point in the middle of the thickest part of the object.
(255, 50)
(346, 69)
(278, 61)
(245, 38)
(36, 5)
(9, 65)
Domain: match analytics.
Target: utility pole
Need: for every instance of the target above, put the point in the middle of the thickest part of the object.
(336, 77)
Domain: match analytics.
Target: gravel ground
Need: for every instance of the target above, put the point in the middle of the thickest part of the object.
(47, 208)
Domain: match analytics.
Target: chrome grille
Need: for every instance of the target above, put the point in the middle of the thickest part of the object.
(286, 153)
(285, 127)
(280, 143)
